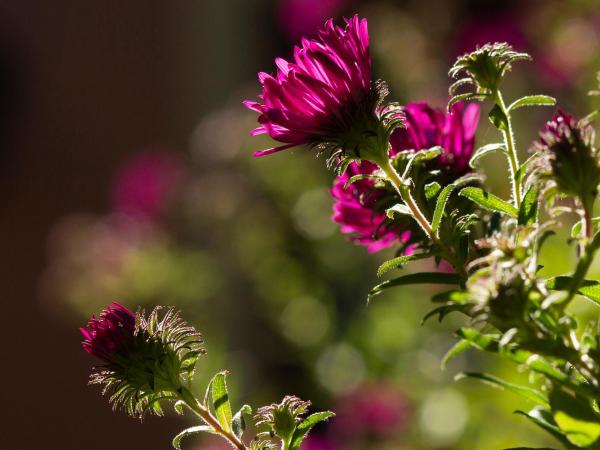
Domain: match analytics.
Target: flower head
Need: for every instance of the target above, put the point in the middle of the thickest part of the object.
(484, 68)
(360, 207)
(428, 127)
(568, 157)
(111, 334)
(146, 359)
(325, 98)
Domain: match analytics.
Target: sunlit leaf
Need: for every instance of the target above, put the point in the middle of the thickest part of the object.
(482, 151)
(416, 278)
(533, 100)
(489, 201)
(306, 425)
(190, 432)
(528, 393)
(238, 423)
(220, 400)
(528, 212)
(400, 261)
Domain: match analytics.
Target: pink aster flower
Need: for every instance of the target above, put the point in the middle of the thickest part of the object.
(372, 411)
(356, 210)
(360, 207)
(427, 127)
(110, 334)
(324, 98)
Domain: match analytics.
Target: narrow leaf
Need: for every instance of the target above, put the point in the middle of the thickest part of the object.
(498, 118)
(543, 419)
(442, 311)
(400, 261)
(489, 201)
(533, 100)
(398, 209)
(528, 393)
(238, 423)
(306, 425)
(189, 432)
(416, 278)
(456, 349)
(220, 400)
(588, 288)
(440, 205)
(481, 151)
(528, 211)
(591, 117)
(576, 230)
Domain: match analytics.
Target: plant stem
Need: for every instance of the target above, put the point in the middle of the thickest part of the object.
(404, 191)
(511, 150)
(210, 420)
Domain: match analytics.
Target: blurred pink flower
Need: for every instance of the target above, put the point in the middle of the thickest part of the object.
(372, 411)
(145, 183)
(481, 30)
(314, 442)
(317, 98)
(299, 18)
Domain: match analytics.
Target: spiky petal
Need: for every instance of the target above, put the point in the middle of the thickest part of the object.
(324, 98)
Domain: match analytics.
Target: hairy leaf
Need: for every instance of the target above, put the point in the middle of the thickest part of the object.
(400, 261)
(528, 393)
(238, 423)
(220, 400)
(533, 100)
(588, 288)
(190, 432)
(528, 212)
(489, 201)
(498, 118)
(481, 151)
(416, 278)
(306, 425)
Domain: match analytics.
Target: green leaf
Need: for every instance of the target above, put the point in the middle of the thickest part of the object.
(362, 176)
(454, 351)
(588, 288)
(306, 425)
(432, 189)
(530, 394)
(575, 418)
(489, 201)
(498, 118)
(532, 100)
(454, 296)
(591, 117)
(543, 419)
(576, 230)
(400, 261)
(399, 208)
(416, 278)
(481, 151)
(220, 400)
(238, 423)
(440, 205)
(528, 212)
(189, 432)
(442, 311)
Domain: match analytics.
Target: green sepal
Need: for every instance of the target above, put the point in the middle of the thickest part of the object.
(306, 425)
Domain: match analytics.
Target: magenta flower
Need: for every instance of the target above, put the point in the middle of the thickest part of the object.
(427, 127)
(324, 97)
(358, 209)
(110, 334)
(314, 442)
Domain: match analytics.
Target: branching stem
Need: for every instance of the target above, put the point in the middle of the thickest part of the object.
(511, 150)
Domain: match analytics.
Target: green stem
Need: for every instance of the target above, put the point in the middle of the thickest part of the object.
(511, 150)
(210, 420)
(404, 191)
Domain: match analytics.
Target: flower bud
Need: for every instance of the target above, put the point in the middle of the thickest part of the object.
(282, 418)
(485, 67)
(567, 156)
(146, 359)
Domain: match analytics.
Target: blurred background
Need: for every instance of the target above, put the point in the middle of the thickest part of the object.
(126, 173)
